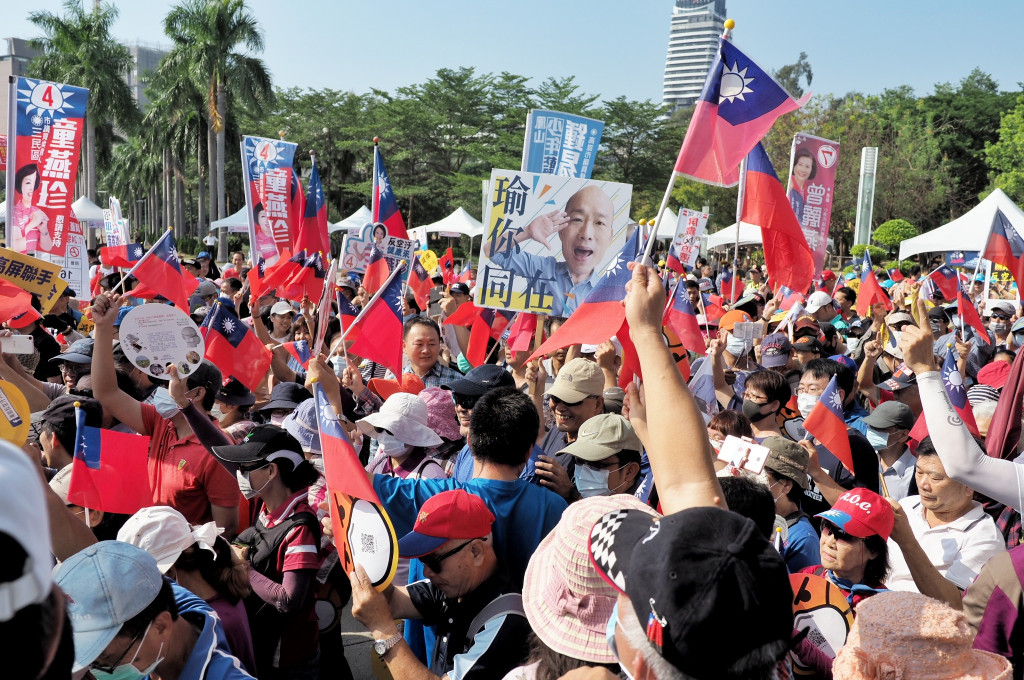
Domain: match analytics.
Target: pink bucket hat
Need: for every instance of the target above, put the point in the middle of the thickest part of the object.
(567, 603)
(908, 636)
(441, 417)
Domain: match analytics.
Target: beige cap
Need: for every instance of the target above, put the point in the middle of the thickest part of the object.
(61, 483)
(788, 459)
(602, 436)
(578, 379)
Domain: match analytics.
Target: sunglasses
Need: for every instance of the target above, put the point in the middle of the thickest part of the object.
(839, 534)
(433, 562)
(466, 401)
(555, 401)
(1001, 317)
(246, 469)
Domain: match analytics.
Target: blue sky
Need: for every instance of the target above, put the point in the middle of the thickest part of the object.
(613, 47)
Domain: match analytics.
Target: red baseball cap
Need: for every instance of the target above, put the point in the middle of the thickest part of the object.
(24, 319)
(861, 512)
(446, 516)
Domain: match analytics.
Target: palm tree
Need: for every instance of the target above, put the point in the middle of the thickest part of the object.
(78, 49)
(212, 40)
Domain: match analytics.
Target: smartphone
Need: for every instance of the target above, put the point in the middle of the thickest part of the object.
(17, 344)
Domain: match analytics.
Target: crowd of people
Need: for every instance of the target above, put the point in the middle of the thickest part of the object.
(550, 522)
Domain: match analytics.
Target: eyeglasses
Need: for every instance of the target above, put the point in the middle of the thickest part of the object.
(433, 562)
(109, 670)
(74, 369)
(756, 398)
(601, 465)
(466, 401)
(555, 401)
(837, 533)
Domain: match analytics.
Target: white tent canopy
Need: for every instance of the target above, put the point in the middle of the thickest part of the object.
(967, 232)
(459, 222)
(88, 212)
(750, 235)
(354, 222)
(236, 223)
(667, 226)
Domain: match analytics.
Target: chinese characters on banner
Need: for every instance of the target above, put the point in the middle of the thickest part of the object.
(3, 152)
(270, 196)
(689, 231)
(34, 275)
(114, 227)
(46, 123)
(561, 143)
(395, 250)
(812, 177)
(548, 239)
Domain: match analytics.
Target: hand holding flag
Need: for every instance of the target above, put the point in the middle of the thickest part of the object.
(827, 425)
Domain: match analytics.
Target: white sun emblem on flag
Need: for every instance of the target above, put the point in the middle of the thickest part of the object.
(953, 380)
(382, 184)
(228, 325)
(614, 270)
(734, 84)
(836, 402)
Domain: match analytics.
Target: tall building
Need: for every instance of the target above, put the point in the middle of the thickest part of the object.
(14, 58)
(692, 43)
(146, 59)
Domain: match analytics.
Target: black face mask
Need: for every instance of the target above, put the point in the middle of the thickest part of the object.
(752, 410)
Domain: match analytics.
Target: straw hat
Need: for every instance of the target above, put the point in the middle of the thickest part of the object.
(567, 603)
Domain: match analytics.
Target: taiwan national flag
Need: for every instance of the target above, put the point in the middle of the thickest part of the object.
(946, 280)
(466, 275)
(299, 350)
(313, 236)
(896, 275)
(380, 328)
(786, 253)
(519, 335)
(377, 270)
(826, 423)
(13, 301)
(420, 284)
(601, 315)
(714, 308)
(484, 324)
(234, 348)
(347, 313)
(1006, 247)
(682, 319)
(969, 315)
(738, 105)
(385, 206)
(110, 470)
(956, 390)
(124, 255)
(789, 297)
(871, 293)
(159, 271)
(447, 265)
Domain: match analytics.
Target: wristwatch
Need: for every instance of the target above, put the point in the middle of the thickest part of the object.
(383, 646)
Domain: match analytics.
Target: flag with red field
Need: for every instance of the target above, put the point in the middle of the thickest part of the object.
(159, 273)
(789, 297)
(519, 336)
(380, 327)
(484, 324)
(447, 265)
(714, 306)
(870, 292)
(1006, 247)
(896, 275)
(946, 279)
(124, 255)
(385, 206)
(970, 317)
(110, 470)
(234, 348)
(420, 283)
(738, 105)
(827, 425)
(13, 301)
(466, 275)
(786, 253)
(347, 313)
(681, 317)
(299, 350)
(377, 270)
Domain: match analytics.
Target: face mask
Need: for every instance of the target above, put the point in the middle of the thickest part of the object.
(806, 402)
(127, 671)
(852, 344)
(735, 346)
(998, 327)
(216, 411)
(390, 445)
(339, 364)
(245, 487)
(956, 321)
(752, 410)
(896, 335)
(879, 440)
(278, 418)
(164, 404)
(937, 328)
(591, 482)
(609, 634)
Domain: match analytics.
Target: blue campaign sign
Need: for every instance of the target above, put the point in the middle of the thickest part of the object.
(561, 143)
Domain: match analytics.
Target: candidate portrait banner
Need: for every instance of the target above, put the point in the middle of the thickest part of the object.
(548, 239)
(269, 196)
(690, 229)
(3, 152)
(812, 178)
(561, 143)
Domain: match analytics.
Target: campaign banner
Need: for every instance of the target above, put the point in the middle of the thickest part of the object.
(548, 239)
(3, 152)
(355, 248)
(812, 178)
(395, 251)
(561, 143)
(34, 275)
(269, 195)
(690, 229)
(962, 258)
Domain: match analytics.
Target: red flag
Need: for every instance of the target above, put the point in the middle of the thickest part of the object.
(484, 324)
(160, 271)
(630, 369)
(1004, 431)
(870, 293)
(447, 264)
(13, 301)
(110, 470)
(786, 253)
(234, 348)
(827, 425)
(1006, 247)
(380, 328)
(520, 334)
(377, 270)
(347, 313)
(466, 275)
(124, 255)
(969, 315)
(714, 307)
(420, 284)
(946, 280)
(682, 319)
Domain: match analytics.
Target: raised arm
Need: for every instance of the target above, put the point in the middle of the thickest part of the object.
(104, 379)
(678, 447)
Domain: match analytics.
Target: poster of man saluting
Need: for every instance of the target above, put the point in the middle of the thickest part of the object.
(548, 239)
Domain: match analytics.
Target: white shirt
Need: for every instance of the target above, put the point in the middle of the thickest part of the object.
(958, 550)
(899, 476)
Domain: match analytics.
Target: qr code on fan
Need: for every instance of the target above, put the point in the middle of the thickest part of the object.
(816, 638)
(368, 543)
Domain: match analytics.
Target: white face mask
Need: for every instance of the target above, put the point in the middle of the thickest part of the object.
(852, 344)
(216, 411)
(806, 402)
(735, 346)
(245, 487)
(339, 364)
(164, 404)
(390, 445)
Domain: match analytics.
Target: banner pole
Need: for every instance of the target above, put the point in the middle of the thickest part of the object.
(646, 259)
(739, 214)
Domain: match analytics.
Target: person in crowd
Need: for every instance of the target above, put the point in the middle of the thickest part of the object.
(786, 470)
(846, 298)
(403, 437)
(443, 420)
(725, 424)
(282, 314)
(889, 427)
(765, 394)
(28, 323)
(284, 398)
(823, 308)
(235, 268)
(606, 457)
(1001, 313)
(231, 409)
(104, 525)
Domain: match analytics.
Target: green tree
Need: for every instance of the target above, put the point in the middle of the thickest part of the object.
(893, 232)
(790, 74)
(78, 49)
(1005, 154)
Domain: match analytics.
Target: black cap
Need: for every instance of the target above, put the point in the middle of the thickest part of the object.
(60, 414)
(234, 393)
(260, 444)
(938, 312)
(481, 380)
(205, 375)
(806, 344)
(460, 288)
(287, 395)
(697, 575)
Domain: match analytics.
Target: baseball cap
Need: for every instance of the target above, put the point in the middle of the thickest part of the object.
(861, 512)
(578, 379)
(282, 307)
(302, 424)
(845, 361)
(899, 317)
(1003, 306)
(121, 313)
(887, 284)
(460, 288)
(80, 352)
(207, 375)
(204, 256)
(787, 458)
(697, 575)
(106, 584)
(286, 395)
(481, 380)
(705, 285)
(164, 533)
(807, 344)
(234, 393)
(938, 312)
(206, 289)
(445, 516)
(602, 436)
(828, 275)
(890, 414)
(731, 318)
(775, 349)
(994, 374)
(61, 483)
(817, 300)
(60, 414)
(263, 443)
(24, 319)
(898, 382)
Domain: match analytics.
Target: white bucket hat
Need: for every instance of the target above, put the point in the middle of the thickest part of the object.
(406, 417)
(164, 533)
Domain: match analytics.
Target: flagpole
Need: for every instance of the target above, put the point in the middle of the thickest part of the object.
(380, 291)
(739, 214)
(646, 259)
(142, 259)
(700, 301)
(374, 198)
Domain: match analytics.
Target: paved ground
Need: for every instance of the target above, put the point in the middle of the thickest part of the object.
(358, 646)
